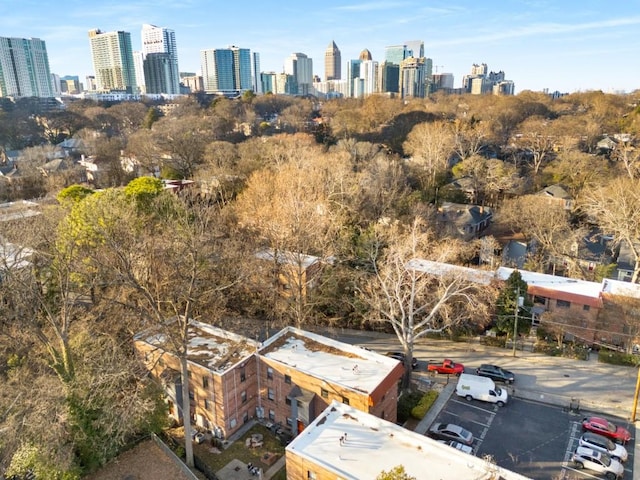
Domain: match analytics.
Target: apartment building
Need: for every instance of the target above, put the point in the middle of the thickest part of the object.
(288, 380)
(223, 380)
(300, 373)
(346, 443)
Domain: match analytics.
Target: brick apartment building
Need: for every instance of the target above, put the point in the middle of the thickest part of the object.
(288, 380)
(300, 373)
(223, 380)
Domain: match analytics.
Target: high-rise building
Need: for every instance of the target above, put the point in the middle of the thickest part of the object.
(255, 73)
(369, 77)
(159, 73)
(162, 40)
(113, 60)
(389, 78)
(138, 67)
(226, 70)
(413, 78)
(396, 54)
(24, 68)
(332, 62)
(242, 68)
(301, 67)
(353, 75)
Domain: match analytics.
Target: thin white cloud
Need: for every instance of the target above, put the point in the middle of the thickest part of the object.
(373, 6)
(540, 29)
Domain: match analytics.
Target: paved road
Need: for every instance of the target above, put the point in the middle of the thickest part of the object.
(589, 384)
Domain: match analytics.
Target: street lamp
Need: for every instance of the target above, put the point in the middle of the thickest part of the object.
(519, 303)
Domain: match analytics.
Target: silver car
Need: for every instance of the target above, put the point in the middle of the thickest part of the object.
(603, 444)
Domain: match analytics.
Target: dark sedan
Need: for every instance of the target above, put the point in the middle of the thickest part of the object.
(496, 373)
(400, 356)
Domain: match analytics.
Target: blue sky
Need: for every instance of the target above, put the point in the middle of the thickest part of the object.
(564, 45)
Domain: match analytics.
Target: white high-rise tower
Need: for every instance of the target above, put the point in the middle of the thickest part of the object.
(163, 40)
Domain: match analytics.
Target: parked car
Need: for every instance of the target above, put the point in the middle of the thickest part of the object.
(604, 427)
(598, 462)
(458, 446)
(496, 373)
(446, 366)
(603, 444)
(400, 356)
(450, 431)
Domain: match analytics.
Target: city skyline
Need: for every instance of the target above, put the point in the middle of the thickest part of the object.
(573, 46)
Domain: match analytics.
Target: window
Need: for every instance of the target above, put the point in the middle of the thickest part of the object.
(290, 421)
(563, 304)
(271, 394)
(270, 373)
(345, 400)
(245, 417)
(299, 404)
(287, 379)
(324, 393)
(191, 395)
(233, 423)
(205, 382)
(206, 404)
(586, 308)
(243, 375)
(382, 415)
(272, 415)
(243, 396)
(311, 475)
(287, 401)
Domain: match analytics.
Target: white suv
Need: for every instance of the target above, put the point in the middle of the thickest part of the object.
(598, 462)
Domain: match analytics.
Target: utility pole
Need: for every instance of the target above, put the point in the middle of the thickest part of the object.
(519, 303)
(635, 399)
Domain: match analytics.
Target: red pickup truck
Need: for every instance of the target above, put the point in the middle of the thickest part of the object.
(446, 366)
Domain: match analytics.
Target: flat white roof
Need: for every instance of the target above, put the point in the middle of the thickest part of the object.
(288, 258)
(374, 445)
(210, 347)
(553, 282)
(624, 289)
(324, 358)
(440, 269)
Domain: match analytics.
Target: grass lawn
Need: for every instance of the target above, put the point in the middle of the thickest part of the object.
(238, 450)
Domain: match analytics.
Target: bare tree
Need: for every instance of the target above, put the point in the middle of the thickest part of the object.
(414, 302)
(616, 208)
(430, 145)
(296, 210)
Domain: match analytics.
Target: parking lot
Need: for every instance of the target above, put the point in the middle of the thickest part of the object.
(531, 438)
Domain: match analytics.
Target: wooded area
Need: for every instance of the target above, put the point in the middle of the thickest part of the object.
(350, 187)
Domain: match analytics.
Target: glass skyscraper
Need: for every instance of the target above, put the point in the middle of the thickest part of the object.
(24, 68)
(226, 70)
(162, 40)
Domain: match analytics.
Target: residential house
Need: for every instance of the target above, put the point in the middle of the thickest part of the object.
(301, 373)
(223, 377)
(557, 195)
(347, 443)
(463, 221)
(625, 262)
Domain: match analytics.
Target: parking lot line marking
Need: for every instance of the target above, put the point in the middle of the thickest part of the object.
(492, 412)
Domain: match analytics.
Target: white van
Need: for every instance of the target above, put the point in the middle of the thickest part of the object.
(480, 388)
